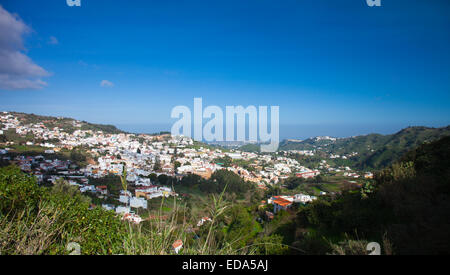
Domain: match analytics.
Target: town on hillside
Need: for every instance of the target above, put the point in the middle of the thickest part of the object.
(83, 158)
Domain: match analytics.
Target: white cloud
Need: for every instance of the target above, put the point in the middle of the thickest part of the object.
(53, 41)
(106, 83)
(17, 70)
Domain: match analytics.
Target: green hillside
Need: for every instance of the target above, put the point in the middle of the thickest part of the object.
(374, 150)
(68, 124)
(250, 148)
(398, 144)
(405, 209)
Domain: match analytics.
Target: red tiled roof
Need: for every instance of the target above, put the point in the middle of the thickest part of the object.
(282, 202)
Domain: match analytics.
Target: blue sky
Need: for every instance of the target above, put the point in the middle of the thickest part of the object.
(336, 68)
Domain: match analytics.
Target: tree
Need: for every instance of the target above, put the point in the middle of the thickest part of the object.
(153, 177)
(63, 187)
(293, 182)
(318, 179)
(191, 180)
(163, 179)
(272, 190)
(232, 182)
(225, 161)
(77, 156)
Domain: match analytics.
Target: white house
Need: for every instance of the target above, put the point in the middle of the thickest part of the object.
(143, 182)
(303, 198)
(138, 202)
(234, 155)
(308, 174)
(281, 203)
(123, 210)
(153, 195)
(90, 188)
(146, 189)
(124, 199)
(131, 177)
(185, 169)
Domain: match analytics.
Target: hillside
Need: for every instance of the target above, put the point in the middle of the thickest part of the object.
(68, 124)
(374, 150)
(405, 209)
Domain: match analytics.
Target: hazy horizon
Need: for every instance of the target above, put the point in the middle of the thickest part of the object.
(296, 131)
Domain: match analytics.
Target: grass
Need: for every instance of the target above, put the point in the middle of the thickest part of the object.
(29, 234)
(27, 148)
(155, 237)
(26, 233)
(37, 220)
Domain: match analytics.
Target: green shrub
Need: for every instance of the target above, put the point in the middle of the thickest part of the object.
(22, 201)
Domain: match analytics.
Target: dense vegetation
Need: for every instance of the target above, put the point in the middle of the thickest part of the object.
(406, 209)
(41, 220)
(220, 180)
(38, 220)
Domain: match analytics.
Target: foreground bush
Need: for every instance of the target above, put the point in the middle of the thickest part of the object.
(35, 220)
(40, 220)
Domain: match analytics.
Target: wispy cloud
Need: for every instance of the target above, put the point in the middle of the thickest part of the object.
(17, 70)
(53, 41)
(106, 83)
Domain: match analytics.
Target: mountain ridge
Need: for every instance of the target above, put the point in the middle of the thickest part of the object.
(374, 150)
(67, 123)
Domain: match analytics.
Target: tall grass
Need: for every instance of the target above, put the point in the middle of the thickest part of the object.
(35, 220)
(30, 234)
(157, 237)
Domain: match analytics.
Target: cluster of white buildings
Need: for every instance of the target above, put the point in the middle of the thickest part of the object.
(309, 153)
(140, 155)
